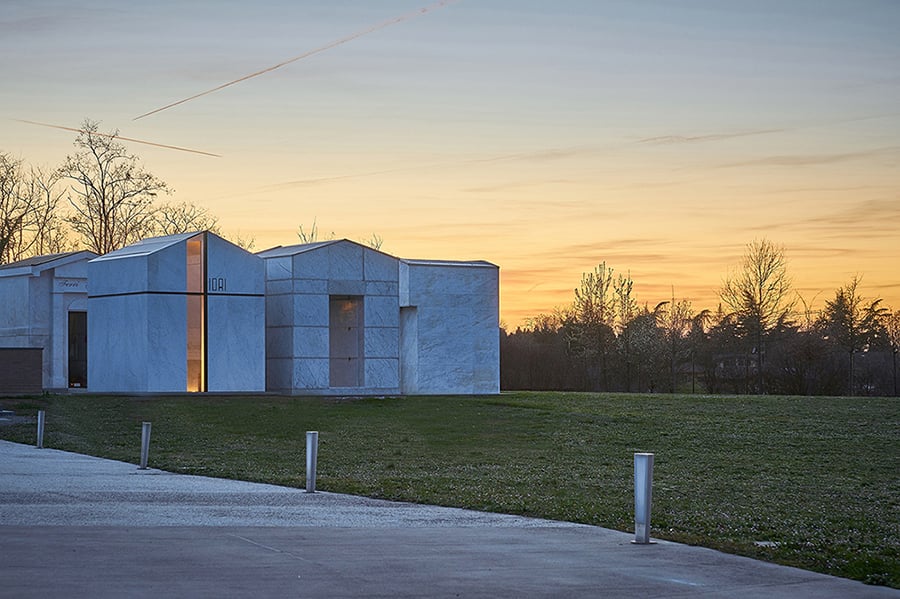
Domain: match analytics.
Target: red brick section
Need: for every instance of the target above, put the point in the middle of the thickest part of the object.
(20, 370)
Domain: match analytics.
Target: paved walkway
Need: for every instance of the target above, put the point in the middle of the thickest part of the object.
(78, 526)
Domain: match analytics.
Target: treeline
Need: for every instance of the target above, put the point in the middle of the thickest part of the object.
(763, 338)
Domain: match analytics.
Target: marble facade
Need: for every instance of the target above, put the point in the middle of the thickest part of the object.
(345, 319)
(177, 313)
(194, 312)
(40, 299)
(450, 329)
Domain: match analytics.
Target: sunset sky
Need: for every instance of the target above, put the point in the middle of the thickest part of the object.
(660, 136)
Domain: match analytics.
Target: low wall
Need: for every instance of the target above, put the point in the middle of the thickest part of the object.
(20, 370)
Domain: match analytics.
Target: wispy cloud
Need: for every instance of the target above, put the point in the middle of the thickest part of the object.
(541, 155)
(688, 139)
(789, 160)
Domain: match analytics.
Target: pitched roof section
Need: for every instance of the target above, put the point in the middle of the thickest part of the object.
(279, 251)
(37, 264)
(462, 263)
(300, 248)
(148, 246)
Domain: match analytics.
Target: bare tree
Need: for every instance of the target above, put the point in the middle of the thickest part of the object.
(111, 195)
(759, 294)
(311, 235)
(30, 224)
(183, 217)
(375, 241)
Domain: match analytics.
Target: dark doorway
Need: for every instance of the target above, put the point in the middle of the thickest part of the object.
(78, 349)
(346, 341)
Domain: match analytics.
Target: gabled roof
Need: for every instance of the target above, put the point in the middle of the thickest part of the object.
(37, 264)
(300, 248)
(280, 251)
(147, 246)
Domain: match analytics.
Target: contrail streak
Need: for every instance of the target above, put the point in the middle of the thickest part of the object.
(137, 141)
(343, 40)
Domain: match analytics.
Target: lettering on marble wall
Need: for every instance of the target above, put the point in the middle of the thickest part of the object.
(217, 284)
(70, 285)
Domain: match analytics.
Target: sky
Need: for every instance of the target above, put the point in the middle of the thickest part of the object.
(658, 136)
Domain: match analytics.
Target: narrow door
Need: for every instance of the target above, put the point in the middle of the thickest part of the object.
(78, 349)
(346, 342)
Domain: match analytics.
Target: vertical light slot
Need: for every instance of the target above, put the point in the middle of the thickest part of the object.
(196, 325)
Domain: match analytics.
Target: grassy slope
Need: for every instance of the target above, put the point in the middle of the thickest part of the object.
(817, 476)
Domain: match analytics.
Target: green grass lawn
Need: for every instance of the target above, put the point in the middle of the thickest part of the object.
(815, 480)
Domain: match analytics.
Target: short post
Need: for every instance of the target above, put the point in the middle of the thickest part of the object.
(312, 454)
(40, 429)
(145, 445)
(643, 497)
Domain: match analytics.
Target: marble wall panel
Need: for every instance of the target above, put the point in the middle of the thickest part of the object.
(242, 272)
(310, 342)
(279, 268)
(279, 310)
(119, 275)
(279, 374)
(311, 264)
(167, 268)
(310, 373)
(346, 287)
(382, 373)
(166, 331)
(40, 316)
(310, 310)
(380, 267)
(236, 349)
(457, 327)
(427, 280)
(388, 288)
(279, 287)
(345, 261)
(118, 343)
(15, 298)
(73, 270)
(279, 342)
(311, 286)
(381, 342)
(381, 311)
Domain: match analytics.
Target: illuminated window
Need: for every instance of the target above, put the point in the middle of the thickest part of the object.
(196, 313)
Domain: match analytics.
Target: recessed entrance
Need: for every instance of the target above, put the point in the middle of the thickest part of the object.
(345, 324)
(78, 349)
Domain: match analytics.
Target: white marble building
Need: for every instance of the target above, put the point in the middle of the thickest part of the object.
(194, 312)
(344, 319)
(450, 327)
(177, 313)
(43, 304)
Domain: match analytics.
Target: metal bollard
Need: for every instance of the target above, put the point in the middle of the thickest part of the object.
(40, 429)
(643, 497)
(312, 455)
(145, 445)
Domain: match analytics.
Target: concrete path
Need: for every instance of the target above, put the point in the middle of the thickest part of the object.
(78, 526)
